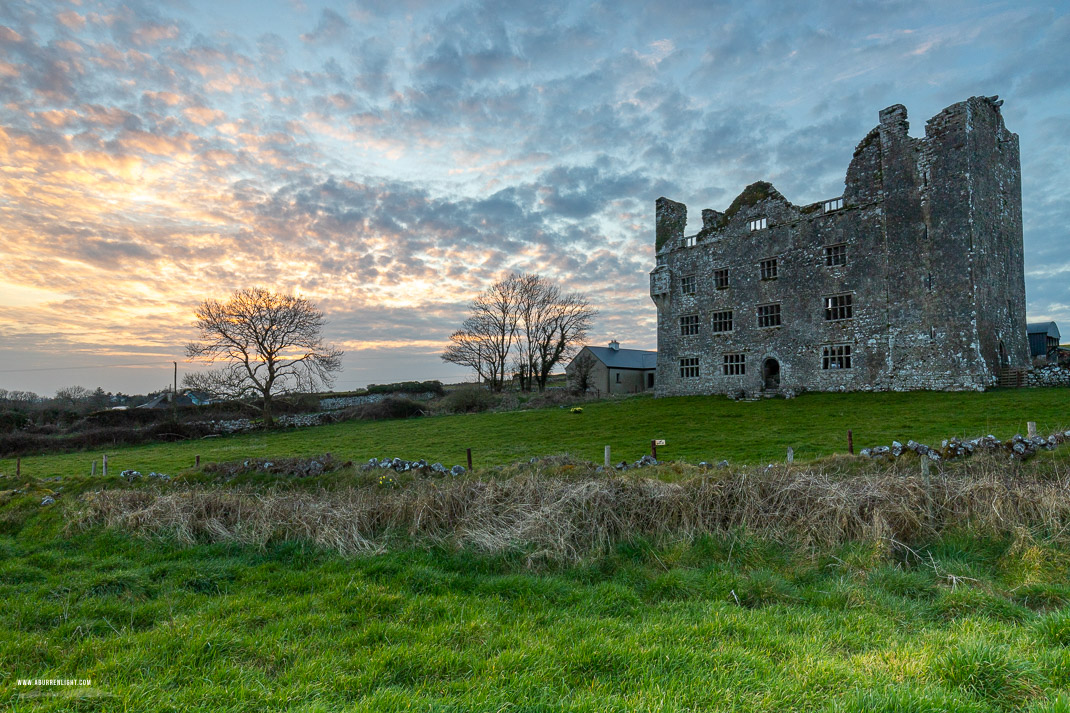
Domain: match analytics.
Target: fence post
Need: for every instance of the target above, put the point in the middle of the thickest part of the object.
(469, 452)
(791, 454)
(1031, 428)
(104, 467)
(607, 457)
(197, 464)
(654, 449)
(18, 467)
(93, 469)
(850, 442)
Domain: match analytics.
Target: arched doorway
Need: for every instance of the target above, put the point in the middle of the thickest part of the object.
(1004, 360)
(771, 373)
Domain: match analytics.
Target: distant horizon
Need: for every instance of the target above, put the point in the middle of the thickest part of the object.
(390, 161)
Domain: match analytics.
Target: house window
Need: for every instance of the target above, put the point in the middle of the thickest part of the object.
(689, 368)
(735, 364)
(618, 377)
(835, 255)
(769, 270)
(769, 315)
(691, 241)
(758, 224)
(838, 307)
(689, 325)
(836, 356)
(720, 278)
(834, 204)
(687, 284)
(722, 321)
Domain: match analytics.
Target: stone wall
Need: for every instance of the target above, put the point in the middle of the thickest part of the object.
(1048, 376)
(915, 243)
(334, 403)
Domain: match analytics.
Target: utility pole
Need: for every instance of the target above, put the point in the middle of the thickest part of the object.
(174, 395)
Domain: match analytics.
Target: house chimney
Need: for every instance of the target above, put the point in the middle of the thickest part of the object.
(614, 345)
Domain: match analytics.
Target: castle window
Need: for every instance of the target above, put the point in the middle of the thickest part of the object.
(722, 321)
(835, 255)
(689, 325)
(838, 307)
(757, 224)
(687, 284)
(834, 204)
(836, 356)
(720, 278)
(618, 377)
(735, 364)
(691, 241)
(689, 368)
(769, 315)
(769, 269)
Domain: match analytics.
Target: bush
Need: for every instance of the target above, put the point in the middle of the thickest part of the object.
(408, 387)
(555, 397)
(12, 421)
(469, 399)
(391, 407)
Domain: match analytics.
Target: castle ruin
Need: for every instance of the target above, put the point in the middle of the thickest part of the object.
(912, 279)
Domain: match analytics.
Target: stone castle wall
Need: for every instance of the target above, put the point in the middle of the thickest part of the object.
(925, 245)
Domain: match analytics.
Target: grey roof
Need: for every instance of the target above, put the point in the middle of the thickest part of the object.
(625, 358)
(1049, 328)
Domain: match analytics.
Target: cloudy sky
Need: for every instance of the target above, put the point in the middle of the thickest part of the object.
(390, 159)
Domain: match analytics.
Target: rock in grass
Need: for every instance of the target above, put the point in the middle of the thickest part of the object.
(48, 500)
(458, 470)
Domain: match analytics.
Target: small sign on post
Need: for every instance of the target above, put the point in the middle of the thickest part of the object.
(654, 447)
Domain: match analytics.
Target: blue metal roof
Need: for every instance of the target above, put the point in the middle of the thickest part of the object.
(625, 358)
(1049, 328)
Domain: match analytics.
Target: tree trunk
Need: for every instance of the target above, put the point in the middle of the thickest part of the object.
(269, 421)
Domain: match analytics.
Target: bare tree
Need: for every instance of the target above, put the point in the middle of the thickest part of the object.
(526, 312)
(488, 333)
(580, 378)
(73, 395)
(270, 344)
(555, 329)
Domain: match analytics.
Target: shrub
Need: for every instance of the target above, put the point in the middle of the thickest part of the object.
(408, 387)
(554, 397)
(391, 407)
(12, 421)
(469, 399)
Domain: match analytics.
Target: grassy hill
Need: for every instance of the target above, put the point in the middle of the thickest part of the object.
(695, 428)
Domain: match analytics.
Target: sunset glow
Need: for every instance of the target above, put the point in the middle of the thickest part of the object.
(390, 160)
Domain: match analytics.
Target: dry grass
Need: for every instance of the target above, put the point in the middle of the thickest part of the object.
(558, 513)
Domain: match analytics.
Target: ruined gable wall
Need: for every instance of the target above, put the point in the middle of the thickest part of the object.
(999, 263)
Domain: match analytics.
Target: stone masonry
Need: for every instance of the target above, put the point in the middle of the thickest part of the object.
(912, 279)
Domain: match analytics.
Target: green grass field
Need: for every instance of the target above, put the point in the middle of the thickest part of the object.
(964, 623)
(723, 625)
(695, 428)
